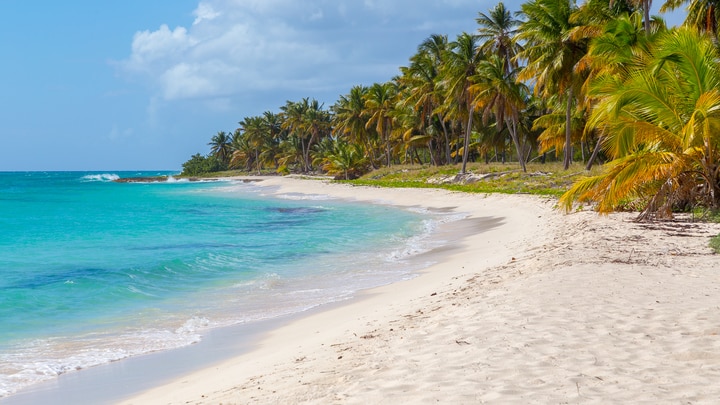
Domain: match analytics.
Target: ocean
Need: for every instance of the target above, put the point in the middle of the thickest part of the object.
(94, 271)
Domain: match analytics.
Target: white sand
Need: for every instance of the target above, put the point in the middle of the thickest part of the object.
(544, 308)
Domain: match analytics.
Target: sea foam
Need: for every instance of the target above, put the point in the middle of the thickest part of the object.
(104, 177)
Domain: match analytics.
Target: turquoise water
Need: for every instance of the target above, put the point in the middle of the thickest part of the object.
(93, 271)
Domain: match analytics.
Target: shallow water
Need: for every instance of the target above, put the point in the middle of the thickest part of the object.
(93, 271)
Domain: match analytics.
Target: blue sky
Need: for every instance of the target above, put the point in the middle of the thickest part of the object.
(142, 85)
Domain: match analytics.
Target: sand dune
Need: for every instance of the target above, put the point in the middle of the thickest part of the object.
(539, 307)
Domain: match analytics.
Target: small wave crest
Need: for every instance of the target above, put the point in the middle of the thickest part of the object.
(44, 359)
(171, 179)
(193, 325)
(302, 197)
(422, 242)
(104, 177)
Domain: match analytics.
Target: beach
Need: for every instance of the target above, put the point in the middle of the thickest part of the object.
(537, 307)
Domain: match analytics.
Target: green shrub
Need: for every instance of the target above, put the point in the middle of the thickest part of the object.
(199, 164)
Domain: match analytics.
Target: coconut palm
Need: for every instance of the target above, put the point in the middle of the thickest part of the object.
(379, 101)
(254, 131)
(664, 131)
(293, 114)
(317, 124)
(497, 33)
(622, 45)
(552, 55)
(273, 124)
(497, 92)
(344, 159)
(349, 120)
(422, 92)
(702, 15)
(644, 5)
(460, 66)
(220, 147)
(242, 151)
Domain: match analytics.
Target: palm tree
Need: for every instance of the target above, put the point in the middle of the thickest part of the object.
(497, 92)
(294, 122)
(435, 49)
(702, 15)
(273, 124)
(254, 131)
(380, 100)
(344, 158)
(317, 124)
(220, 147)
(242, 151)
(497, 33)
(645, 6)
(460, 66)
(552, 125)
(350, 116)
(664, 131)
(552, 55)
(622, 45)
(422, 92)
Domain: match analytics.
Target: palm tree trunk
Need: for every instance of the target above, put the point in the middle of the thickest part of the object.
(302, 144)
(447, 139)
(594, 154)
(568, 130)
(513, 134)
(466, 143)
(369, 152)
(306, 154)
(460, 136)
(387, 142)
(711, 173)
(257, 161)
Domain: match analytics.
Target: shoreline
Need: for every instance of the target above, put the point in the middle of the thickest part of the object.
(295, 344)
(71, 384)
(539, 307)
(544, 308)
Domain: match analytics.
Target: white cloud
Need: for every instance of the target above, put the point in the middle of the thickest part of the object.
(238, 46)
(161, 46)
(204, 12)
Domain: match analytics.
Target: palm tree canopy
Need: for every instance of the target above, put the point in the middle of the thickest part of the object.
(497, 32)
(549, 48)
(460, 66)
(664, 127)
(220, 146)
(702, 15)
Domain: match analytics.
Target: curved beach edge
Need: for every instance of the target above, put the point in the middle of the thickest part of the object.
(545, 307)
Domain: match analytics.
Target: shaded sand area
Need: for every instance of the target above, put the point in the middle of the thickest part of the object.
(528, 306)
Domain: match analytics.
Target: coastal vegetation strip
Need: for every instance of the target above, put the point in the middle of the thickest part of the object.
(594, 84)
(540, 179)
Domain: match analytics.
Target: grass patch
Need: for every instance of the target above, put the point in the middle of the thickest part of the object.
(715, 244)
(228, 173)
(708, 215)
(540, 179)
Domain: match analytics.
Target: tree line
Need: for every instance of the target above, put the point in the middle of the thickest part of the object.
(598, 82)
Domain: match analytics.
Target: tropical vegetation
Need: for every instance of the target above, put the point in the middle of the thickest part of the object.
(600, 84)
